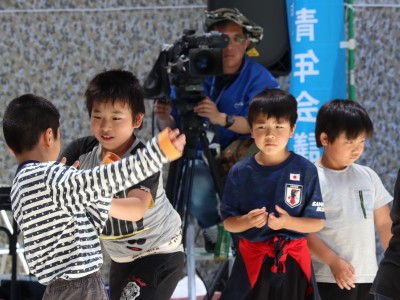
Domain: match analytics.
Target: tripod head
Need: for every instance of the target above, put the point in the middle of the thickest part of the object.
(191, 124)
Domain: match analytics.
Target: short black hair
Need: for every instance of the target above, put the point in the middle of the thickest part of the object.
(274, 103)
(25, 119)
(340, 115)
(116, 85)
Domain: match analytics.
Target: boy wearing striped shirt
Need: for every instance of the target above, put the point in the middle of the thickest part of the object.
(61, 210)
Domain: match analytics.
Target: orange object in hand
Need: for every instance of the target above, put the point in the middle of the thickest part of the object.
(109, 158)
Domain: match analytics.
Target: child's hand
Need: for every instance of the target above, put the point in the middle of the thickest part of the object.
(64, 160)
(344, 273)
(279, 222)
(110, 158)
(257, 217)
(178, 140)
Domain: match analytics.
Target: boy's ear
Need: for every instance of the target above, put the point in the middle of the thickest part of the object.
(47, 137)
(10, 150)
(251, 131)
(323, 137)
(293, 130)
(137, 122)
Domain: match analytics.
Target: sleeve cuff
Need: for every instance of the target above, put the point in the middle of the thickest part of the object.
(166, 145)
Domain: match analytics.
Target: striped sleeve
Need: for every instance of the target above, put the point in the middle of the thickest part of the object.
(102, 182)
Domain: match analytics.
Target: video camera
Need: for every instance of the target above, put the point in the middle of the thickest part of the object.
(183, 66)
(178, 74)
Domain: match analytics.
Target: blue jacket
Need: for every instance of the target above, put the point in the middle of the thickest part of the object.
(235, 98)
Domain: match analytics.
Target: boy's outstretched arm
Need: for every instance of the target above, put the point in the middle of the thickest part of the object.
(255, 218)
(383, 224)
(343, 271)
(135, 205)
(103, 181)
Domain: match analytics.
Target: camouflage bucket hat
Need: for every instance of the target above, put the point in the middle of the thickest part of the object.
(254, 32)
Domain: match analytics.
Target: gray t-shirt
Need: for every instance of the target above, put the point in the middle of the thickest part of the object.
(159, 231)
(350, 197)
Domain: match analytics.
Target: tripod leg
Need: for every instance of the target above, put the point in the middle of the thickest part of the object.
(173, 181)
(211, 163)
(222, 270)
(181, 182)
(186, 194)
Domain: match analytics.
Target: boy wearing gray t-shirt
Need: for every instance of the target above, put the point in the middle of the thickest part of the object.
(147, 255)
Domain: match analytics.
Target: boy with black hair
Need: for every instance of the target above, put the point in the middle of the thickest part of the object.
(272, 200)
(61, 210)
(356, 202)
(146, 253)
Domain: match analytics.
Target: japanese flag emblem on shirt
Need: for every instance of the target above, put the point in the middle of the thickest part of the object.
(293, 195)
(294, 177)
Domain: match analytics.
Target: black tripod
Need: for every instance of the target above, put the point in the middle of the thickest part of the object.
(179, 188)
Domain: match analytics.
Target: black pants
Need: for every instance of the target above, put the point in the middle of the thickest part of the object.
(292, 286)
(151, 277)
(331, 291)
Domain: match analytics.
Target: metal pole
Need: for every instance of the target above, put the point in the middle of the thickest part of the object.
(352, 88)
(190, 259)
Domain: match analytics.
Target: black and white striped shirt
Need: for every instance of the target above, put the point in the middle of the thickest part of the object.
(61, 210)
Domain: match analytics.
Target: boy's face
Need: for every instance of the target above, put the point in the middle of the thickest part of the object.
(113, 126)
(271, 136)
(342, 152)
(232, 55)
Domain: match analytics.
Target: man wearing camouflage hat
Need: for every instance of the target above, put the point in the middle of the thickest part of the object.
(226, 105)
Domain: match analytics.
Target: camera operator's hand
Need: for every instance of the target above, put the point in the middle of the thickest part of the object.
(162, 111)
(207, 108)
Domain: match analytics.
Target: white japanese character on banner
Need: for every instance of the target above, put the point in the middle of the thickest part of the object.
(307, 107)
(305, 20)
(305, 64)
